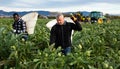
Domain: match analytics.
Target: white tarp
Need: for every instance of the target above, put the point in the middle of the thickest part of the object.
(30, 19)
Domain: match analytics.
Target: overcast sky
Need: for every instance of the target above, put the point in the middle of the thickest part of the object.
(106, 6)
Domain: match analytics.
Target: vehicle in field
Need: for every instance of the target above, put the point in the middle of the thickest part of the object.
(98, 17)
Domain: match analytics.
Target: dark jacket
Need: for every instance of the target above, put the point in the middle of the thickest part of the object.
(61, 34)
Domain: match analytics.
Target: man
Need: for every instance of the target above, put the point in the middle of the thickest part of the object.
(19, 26)
(61, 33)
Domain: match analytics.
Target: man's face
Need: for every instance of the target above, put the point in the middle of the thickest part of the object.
(60, 20)
(16, 17)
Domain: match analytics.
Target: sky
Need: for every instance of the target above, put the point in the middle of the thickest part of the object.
(105, 6)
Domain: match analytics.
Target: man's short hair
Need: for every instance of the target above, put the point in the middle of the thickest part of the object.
(15, 14)
(59, 14)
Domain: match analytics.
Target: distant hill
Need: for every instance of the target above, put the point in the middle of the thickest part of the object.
(4, 13)
(43, 13)
(84, 13)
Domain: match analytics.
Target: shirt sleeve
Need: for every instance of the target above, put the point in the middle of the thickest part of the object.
(24, 28)
(52, 36)
(76, 26)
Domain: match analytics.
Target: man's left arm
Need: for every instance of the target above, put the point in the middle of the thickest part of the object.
(24, 27)
(77, 26)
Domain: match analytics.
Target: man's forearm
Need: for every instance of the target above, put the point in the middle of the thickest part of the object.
(78, 25)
